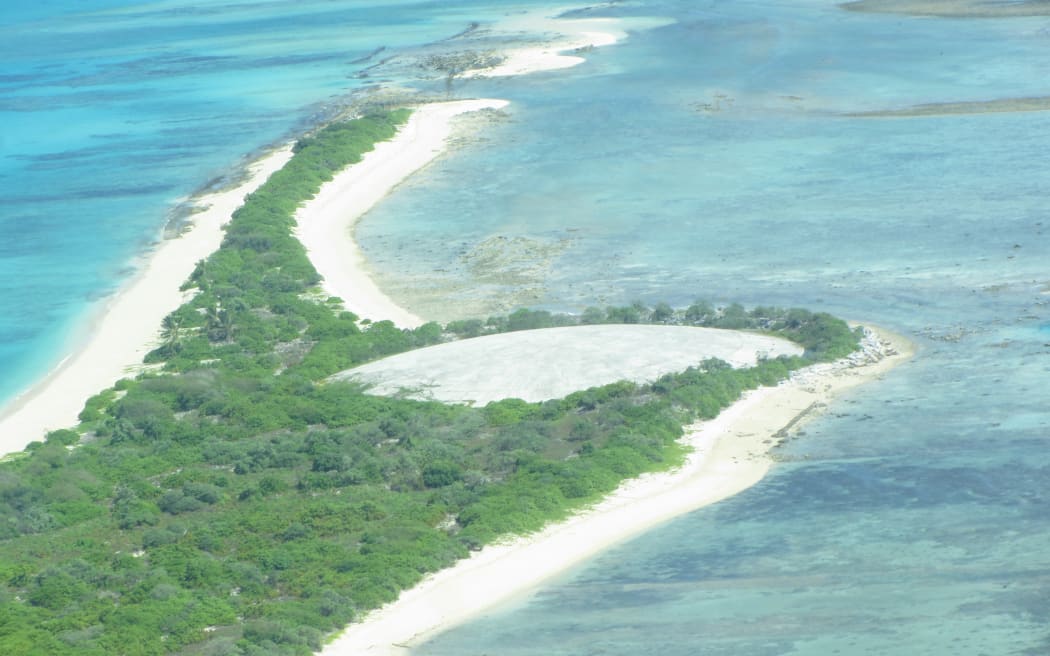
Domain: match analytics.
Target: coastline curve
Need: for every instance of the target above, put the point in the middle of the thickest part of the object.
(729, 454)
(127, 326)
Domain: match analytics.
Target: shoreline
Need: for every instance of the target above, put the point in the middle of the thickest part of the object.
(576, 36)
(121, 329)
(730, 454)
(126, 326)
(325, 224)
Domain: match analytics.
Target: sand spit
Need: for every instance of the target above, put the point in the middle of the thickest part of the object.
(325, 223)
(576, 36)
(127, 325)
(730, 454)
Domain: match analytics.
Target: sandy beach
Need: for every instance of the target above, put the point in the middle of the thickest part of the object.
(730, 454)
(576, 36)
(325, 224)
(128, 324)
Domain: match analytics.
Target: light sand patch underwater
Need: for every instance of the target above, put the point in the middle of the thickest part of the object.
(953, 8)
(1035, 104)
(536, 365)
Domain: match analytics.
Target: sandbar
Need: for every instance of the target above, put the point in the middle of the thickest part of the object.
(325, 223)
(127, 326)
(953, 8)
(576, 36)
(729, 454)
(999, 105)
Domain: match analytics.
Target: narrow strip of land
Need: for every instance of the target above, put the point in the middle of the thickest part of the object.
(127, 326)
(325, 223)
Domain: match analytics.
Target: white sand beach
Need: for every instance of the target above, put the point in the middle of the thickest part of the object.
(325, 224)
(551, 56)
(128, 324)
(576, 36)
(730, 454)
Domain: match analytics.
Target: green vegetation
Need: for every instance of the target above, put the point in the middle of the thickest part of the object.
(231, 502)
(823, 336)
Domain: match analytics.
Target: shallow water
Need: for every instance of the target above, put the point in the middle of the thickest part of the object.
(715, 158)
(711, 158)
(113, 116)
(767, 199)
(910, 520)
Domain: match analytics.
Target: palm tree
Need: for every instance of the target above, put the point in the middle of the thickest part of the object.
(171, 333)
(220, 323)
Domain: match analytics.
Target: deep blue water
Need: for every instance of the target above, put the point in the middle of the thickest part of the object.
(715, 157)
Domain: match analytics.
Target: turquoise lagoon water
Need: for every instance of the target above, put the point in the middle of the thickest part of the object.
(111, 117)
(715, 157)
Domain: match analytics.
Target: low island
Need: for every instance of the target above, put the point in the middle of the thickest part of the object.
(234, 497)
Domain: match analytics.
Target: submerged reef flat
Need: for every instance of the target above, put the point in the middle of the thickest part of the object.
(953, 8)
(1037, 104)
